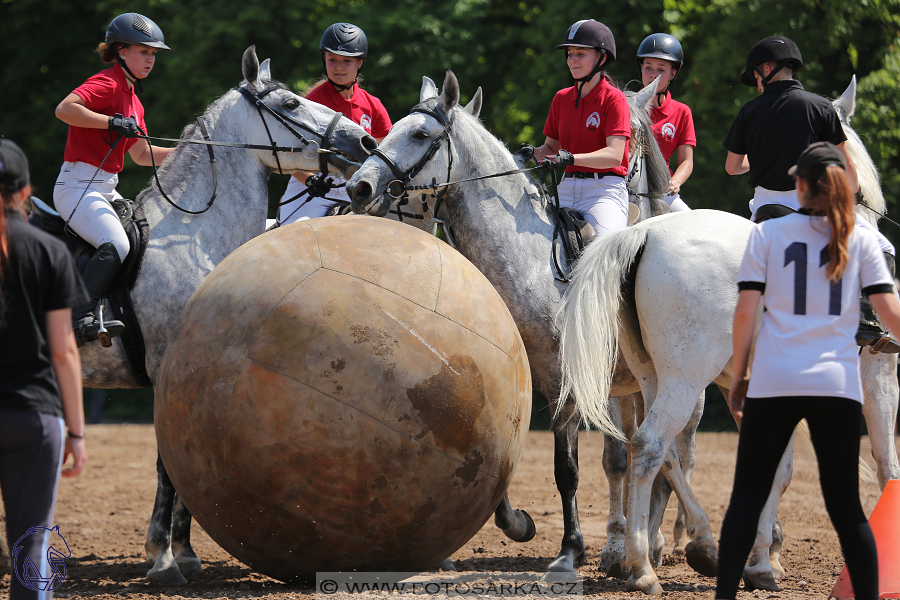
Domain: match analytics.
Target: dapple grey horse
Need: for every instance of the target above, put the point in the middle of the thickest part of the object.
(506, 227)
(184, 248)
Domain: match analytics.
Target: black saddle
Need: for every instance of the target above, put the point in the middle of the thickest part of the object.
(118, 294)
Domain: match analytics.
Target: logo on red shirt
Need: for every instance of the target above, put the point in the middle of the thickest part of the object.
(593, 121)
(365, 122)
(668, 131)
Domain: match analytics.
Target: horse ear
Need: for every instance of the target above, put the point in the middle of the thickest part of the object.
(250, 67)
(429, 89)
(643, 98)
(474, 105)
(450, 93)
(846, 104)
(265, 70)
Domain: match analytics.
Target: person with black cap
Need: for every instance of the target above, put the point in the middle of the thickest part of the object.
(105, 116)
(769, 134)
(587, 131)
(40, 372)
(808, 268)
(344, 48)
(661, 55)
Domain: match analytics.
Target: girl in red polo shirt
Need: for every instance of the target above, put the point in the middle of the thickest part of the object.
(673, 124)
(588, 129)
(344, 49)
(103, 115)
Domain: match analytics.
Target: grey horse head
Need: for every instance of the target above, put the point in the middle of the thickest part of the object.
(348, 144)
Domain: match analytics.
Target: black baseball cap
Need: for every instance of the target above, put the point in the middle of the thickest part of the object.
(815, 159)
(13, 166)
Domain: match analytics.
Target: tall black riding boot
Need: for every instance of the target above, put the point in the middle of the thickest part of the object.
(97, 275)
(871, 331)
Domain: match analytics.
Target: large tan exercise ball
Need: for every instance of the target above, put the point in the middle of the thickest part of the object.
(343, 393)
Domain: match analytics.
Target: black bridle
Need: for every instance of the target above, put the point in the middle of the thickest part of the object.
(399, 188)
(308, 149)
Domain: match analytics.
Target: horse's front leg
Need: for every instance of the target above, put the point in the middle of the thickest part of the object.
(565, 470)
(159, 535)
(763, 565)
(516, 524)
(187, 561)
(686, 443)
(615, 465)
(881, 390)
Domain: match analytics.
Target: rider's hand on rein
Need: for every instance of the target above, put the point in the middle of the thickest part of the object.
(562, 159)
(124, 126)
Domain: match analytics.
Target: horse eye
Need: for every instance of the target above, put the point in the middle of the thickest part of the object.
(292, 103)
(420, 135)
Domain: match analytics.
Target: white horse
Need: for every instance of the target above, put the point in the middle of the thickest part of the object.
(507, 227)
(655, 294)
(184, 248)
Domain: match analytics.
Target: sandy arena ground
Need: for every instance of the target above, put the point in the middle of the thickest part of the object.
(104, 513)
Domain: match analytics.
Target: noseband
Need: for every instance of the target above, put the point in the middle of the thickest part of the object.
(399, 188)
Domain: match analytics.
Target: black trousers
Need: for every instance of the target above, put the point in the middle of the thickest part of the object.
(30, 455)
(766, 429)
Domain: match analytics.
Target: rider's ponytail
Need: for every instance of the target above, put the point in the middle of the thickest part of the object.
(830, 196)
(108, 52)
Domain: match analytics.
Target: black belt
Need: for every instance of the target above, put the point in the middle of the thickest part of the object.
(587, 175)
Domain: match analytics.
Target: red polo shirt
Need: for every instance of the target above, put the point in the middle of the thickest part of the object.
(362, 108)
(673, 126)
(602, 113)
(106, 93)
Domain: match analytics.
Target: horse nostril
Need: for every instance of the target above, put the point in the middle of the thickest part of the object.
(369, 143)
(362, 191)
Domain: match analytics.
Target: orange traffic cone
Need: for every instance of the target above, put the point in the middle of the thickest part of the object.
(885, 523)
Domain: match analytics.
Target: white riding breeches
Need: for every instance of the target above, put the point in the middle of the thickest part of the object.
(762, 196)
(81, 185)
(602, 202)
(311, 207)
(675, 202)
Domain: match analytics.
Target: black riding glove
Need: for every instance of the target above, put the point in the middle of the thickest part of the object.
(124, 126)
(526, 151)
(562, 159)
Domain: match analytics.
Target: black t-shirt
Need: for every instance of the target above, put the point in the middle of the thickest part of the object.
(40, 276)
(776, 127)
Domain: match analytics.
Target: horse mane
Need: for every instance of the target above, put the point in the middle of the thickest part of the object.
(869, 181)
(656, 164)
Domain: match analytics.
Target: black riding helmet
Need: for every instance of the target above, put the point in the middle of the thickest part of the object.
(132, 28)
(343, 39)
(775, 48)
(662, 46)
(589, 33)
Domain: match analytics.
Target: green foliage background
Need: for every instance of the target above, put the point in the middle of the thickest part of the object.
(504, 46)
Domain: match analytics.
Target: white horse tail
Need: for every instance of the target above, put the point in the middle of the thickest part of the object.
(588, 324)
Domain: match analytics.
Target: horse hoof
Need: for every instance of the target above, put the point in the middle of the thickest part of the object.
(609, 559)
(529, 532)
(189, 566)
(168, 576)
(561, 564)
(703, 557)
(648, 584)
(760, 581)
(446, 565)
